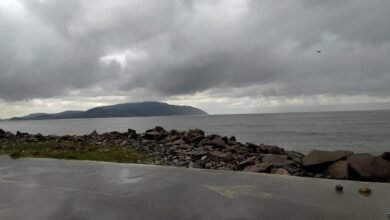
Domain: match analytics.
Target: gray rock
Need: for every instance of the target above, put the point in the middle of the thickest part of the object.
(270, 149)
(338, 170)
(317, 157)
(370, 167)
(277, 160)
(247, 162)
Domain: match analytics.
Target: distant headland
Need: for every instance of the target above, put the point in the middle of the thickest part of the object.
(140, 109)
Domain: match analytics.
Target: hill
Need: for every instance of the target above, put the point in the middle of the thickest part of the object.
(141, 109)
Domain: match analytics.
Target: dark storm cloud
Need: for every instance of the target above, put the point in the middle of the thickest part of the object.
(51, 47)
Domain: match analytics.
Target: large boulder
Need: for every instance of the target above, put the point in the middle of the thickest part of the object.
(277, 160)
(157, 133)
(318, 157)
(338, 170)
(370, 167)
(386, 156)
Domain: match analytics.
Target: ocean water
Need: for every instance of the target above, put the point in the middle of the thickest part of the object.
(360, 131)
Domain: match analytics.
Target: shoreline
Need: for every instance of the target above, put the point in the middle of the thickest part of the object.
(193, 149)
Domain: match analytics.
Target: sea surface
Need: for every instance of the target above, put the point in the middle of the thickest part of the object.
(360, 131)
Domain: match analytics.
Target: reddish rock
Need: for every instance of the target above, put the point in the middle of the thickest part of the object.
(280, 171)
(370, 167)
(317, 157)
(258, 168)
(277, 160)
(338, 170)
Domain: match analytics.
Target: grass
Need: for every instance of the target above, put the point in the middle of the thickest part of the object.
(75, 152)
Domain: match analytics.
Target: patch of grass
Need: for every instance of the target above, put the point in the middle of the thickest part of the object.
(75, 152)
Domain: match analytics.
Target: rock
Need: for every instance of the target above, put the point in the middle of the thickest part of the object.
(131, 134)
(195, 132)
(386, 156)
(197, 139)
(338, 170)
(179, 142)
(277, 160)
(2, 133)
(252, 147)
(280, 171)
(339, 188)
(232, 139)
(247, 162)
(213, 136)
(217, 154)
(295, 156)
(370, 167)
(365, 191)
(93, 133)
(317, 157)
(158, 133)
(269, 149)
(217, 142)
(258, 168)
(227, 157)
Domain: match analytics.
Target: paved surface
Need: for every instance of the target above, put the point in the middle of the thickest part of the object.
(54, 189)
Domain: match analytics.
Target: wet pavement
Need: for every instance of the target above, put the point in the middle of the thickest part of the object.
(58, 189)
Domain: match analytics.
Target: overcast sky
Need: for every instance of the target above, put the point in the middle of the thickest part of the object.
(224, 56)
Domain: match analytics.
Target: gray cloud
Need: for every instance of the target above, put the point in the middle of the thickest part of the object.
(52, 47)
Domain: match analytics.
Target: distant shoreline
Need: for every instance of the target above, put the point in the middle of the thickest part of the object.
(193, 148)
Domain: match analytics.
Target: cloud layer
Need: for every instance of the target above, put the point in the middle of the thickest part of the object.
(143, 49)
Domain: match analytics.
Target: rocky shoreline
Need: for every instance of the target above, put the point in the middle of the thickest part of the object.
(194, 149)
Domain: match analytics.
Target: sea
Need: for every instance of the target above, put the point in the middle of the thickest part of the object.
(358, 131)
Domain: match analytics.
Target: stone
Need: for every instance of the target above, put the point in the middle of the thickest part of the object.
(227, 157)
(318, 157)
(131, 134)
(365, 191)
(370, 167)
(338, 170)
(232, 139)
(196, 132)
(2, 133)
(252, 147)
(277, 160)
(339, 188)
(258, 168)
(270, 149)
(197, 139)
(280, 171)
(247, 162)
(295, 156)
(217, 143)
(386, 156)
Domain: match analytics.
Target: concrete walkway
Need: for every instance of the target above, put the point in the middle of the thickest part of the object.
(56, 189)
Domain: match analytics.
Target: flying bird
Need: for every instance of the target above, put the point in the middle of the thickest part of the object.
(318, 51)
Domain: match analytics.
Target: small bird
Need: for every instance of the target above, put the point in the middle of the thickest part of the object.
(318, 51)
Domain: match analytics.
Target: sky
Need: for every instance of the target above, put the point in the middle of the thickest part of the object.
(223, 56)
